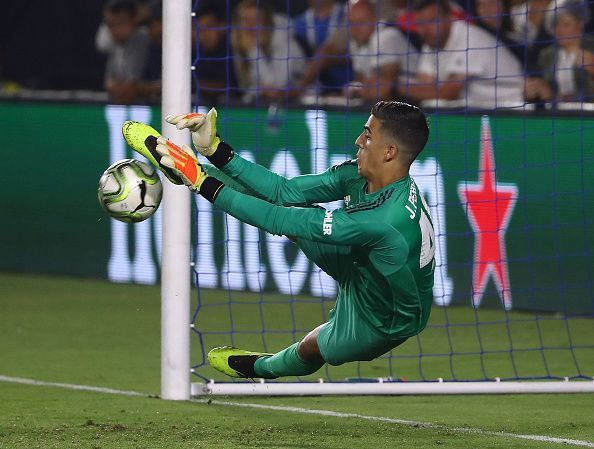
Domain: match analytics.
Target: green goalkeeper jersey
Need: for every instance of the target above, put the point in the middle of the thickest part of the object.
(382, 243)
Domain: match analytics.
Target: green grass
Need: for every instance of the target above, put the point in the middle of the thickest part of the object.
(100, 334)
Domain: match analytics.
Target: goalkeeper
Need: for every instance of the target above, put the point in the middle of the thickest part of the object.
(379, 248)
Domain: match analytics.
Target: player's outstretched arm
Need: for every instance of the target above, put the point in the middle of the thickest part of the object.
(337, 227)
(301, 190)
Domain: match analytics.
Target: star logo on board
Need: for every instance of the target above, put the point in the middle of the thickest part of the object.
(489, 206)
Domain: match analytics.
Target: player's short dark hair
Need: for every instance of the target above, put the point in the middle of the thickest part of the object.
(406, 124)
(129, 7)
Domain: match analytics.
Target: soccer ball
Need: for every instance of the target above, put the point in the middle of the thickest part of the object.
(130, 190)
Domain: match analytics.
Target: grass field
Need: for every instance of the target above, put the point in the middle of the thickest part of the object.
(81, 332)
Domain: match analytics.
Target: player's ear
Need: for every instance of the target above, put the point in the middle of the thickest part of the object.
(390, 153)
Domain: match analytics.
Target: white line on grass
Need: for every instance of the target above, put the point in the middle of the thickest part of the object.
(306, 411)
(40, 383)
(404, 422)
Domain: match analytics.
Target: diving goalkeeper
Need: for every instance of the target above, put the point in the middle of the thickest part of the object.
(379, 248)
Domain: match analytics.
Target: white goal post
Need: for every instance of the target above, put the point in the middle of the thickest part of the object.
(176, 244)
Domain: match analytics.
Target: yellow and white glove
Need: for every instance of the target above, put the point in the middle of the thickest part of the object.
(182, 161)
(203, 129)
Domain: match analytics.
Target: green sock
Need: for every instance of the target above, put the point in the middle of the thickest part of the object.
(285, 363)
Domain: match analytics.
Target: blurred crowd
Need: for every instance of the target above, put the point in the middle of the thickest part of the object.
(474, 53)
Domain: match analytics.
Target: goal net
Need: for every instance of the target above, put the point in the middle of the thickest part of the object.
(509, 184)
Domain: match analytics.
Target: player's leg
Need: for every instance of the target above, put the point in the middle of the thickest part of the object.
(346, 337)
(299, 359)
(305, 358)
(349, 337)
(308, 348)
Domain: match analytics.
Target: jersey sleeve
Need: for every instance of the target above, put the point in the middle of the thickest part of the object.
(337, 227)
(298, 191)
(217, 173)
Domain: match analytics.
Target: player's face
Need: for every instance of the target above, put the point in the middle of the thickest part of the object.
(370, 149)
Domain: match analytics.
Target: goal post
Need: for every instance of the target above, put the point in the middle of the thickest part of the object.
(176, 243)
(388, 388)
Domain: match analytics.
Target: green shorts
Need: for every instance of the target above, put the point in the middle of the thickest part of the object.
(348, 337)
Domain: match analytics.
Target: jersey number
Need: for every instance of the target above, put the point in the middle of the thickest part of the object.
(427, 240)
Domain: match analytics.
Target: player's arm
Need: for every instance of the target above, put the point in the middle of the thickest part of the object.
(337, 227)
(301, 190)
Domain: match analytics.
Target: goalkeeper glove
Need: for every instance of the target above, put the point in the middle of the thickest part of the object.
(203, 129)
(183, 162)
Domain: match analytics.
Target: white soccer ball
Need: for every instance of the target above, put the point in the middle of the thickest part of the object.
(130, 190)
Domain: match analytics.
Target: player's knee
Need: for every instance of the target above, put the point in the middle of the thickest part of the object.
(309, 351)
